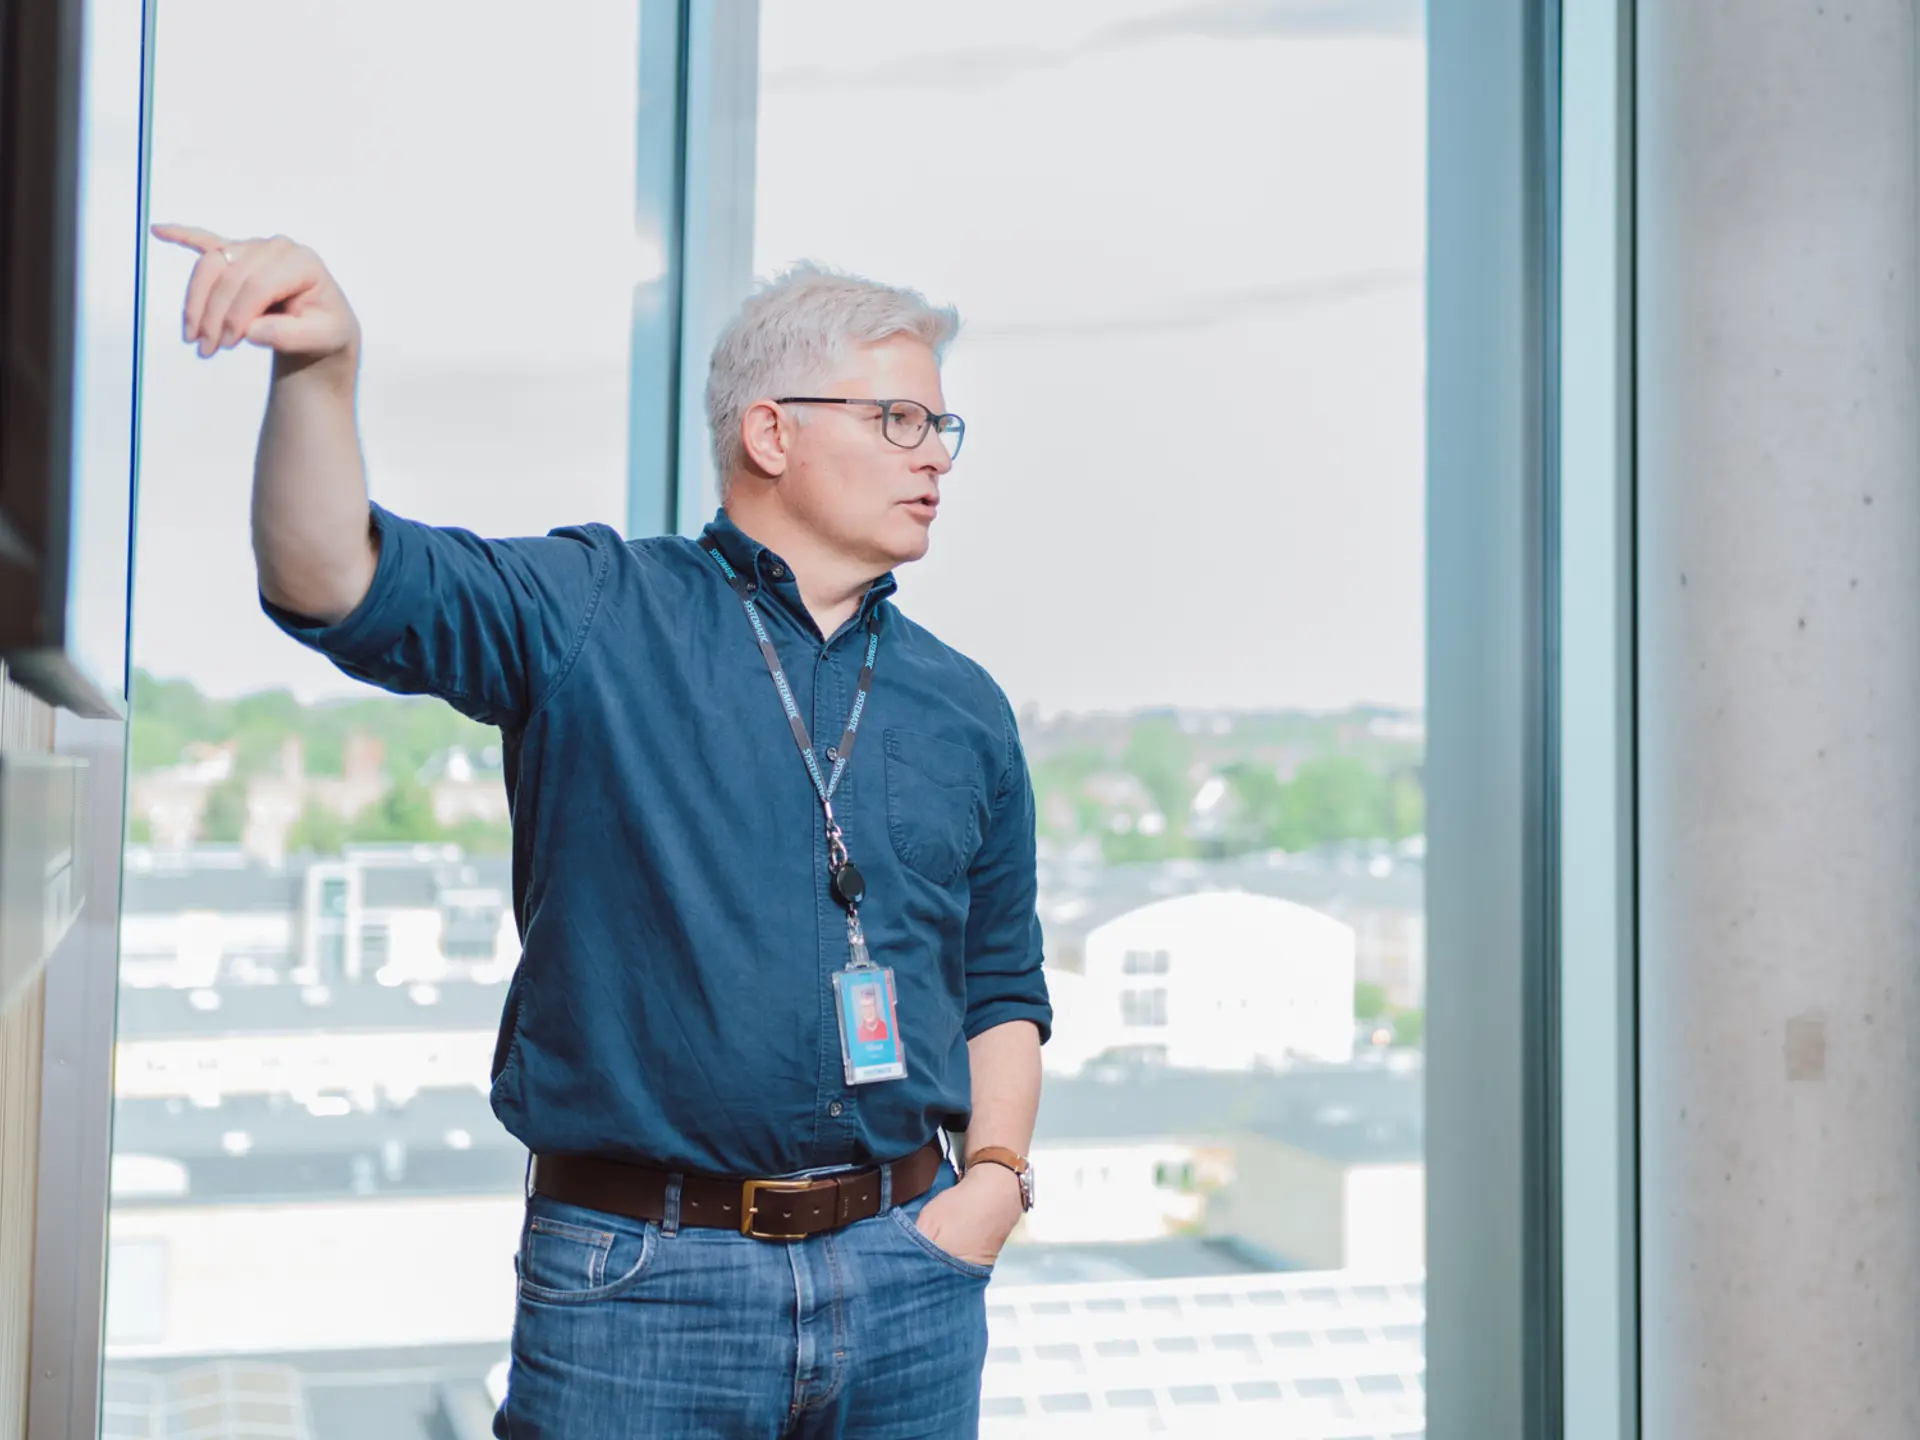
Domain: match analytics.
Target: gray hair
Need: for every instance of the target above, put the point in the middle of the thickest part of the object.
(794, 330)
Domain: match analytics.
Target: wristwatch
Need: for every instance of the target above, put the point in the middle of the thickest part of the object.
(1018, 1164)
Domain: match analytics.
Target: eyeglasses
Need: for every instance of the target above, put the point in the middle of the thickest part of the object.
(904, 422)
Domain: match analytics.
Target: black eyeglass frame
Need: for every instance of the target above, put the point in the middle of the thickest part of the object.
(931, 425)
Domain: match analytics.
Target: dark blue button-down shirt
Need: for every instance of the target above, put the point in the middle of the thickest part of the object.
(674, 1001)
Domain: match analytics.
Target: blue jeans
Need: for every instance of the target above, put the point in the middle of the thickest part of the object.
(629, 1329)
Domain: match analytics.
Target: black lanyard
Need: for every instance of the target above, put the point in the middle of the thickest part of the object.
(848, 884)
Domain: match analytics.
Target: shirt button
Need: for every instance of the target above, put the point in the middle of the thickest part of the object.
(834, 1109)
(833, 753)
(778, 571)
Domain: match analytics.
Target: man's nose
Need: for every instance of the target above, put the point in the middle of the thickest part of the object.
(932, 455)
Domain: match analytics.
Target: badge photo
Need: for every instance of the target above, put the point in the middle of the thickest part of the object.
(869, 1025)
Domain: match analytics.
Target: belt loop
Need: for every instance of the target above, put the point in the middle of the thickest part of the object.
(886, 1188)
(670, 1222)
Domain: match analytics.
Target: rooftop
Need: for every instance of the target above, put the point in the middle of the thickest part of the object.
(1310, 1356)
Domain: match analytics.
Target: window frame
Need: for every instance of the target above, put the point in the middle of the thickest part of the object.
(1531, 1327)
(1530, 1071)
(683, 53)
(1598, 1152)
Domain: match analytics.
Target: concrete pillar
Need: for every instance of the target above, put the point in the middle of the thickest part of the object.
(1779, 708)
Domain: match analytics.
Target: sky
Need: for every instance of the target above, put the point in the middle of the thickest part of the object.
(1185, 236)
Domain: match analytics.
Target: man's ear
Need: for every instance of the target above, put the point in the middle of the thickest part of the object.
(766, 434)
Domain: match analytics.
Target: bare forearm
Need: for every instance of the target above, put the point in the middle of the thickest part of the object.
(975, 1217)
(312, 543)
(1005, 1062)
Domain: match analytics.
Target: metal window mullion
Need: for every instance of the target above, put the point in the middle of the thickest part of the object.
(693, 220)
(653, 382)
(717, 220)
(1492, 1194)
(1598, 1006)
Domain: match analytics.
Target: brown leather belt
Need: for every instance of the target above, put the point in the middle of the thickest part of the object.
(764, 1209)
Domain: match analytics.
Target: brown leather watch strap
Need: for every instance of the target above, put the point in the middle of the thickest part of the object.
(1000, 1155)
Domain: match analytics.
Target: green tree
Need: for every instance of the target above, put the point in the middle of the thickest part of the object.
(1135, 847)
(1332, 799)
(1159, 755)
(1064, 776)
(225, 817)
(404, 813)
(169, 714)
(1410, 1028)
(139, 830)
(318, 831)
(1261, 801)
(1369, 1002)
(326, 742)
(155, 742)
(1406, 805)
(165, 715)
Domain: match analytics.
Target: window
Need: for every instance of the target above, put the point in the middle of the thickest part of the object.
(333, 956)
(359, 828)
(1145, 962)
(137, 1306)
(1192, 375)
(1143, 1007)
(1187, 243)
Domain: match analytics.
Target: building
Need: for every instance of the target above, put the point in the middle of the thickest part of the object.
(1246, 1357)
(465, 787)
(1265, 1357)
(304, 1049)
(395, 913)
(1348, 1195)
(1379, 890)
(1212, 981)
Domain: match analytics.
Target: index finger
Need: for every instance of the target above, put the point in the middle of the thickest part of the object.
(192, 237)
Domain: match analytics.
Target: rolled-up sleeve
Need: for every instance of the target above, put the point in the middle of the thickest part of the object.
(490, 626)
(1005, 950)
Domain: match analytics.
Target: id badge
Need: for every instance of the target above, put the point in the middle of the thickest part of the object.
(869, 1026)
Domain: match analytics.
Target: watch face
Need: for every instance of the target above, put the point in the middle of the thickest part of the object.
(1026, 1184)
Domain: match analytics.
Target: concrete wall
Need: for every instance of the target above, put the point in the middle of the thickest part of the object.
(1778, 314)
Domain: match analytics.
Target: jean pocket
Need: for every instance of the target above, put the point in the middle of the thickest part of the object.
(933, 804)
(911, 1228)
(563, 1263)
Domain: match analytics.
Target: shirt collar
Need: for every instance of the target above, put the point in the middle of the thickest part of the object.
(742, 551)
(768, 571)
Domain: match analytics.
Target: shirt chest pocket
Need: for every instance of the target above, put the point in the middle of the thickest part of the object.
(933, 804)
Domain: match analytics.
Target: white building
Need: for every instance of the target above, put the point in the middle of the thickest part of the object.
(1212, 981)
(399, 914)
(1352, 1197)
(1121, 1191)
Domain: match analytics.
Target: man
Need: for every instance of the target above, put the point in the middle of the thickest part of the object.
(872, 1026)
(741, 779)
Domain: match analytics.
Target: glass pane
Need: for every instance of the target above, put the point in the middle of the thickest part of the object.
(314, 1210)
(104, 340)
(1187, 240)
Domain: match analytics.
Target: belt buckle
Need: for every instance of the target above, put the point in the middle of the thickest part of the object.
(749, 1193)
